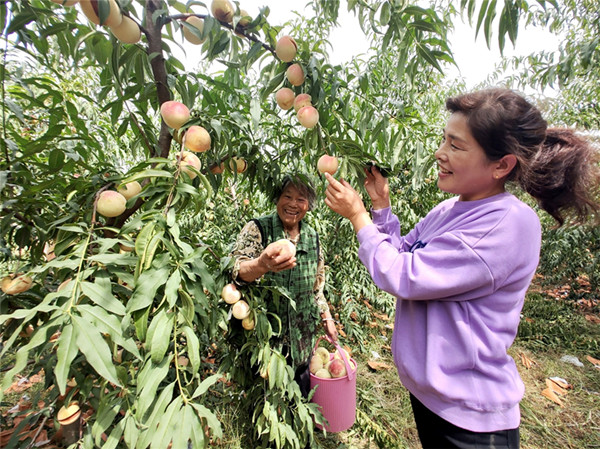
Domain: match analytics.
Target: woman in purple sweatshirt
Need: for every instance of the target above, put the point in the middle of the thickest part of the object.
(461, 274)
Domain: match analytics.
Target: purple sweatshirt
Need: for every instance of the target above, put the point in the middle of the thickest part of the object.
(460, 277)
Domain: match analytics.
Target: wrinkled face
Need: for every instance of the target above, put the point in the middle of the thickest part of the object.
(464, 168)
(291, 207)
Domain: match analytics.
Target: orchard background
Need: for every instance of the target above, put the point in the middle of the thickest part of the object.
(139, 335)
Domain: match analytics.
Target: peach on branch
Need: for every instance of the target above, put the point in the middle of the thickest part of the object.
(91, 9)
(286, 48)
(302, 100)
(174, 113)
(189, 35)
(230, 294)
(188, 160)
(111, 203)
(327, 164)
(248, 323)
(245, 18)
(308, 116)
(13, 285)
(222, 10)
(285, 98)
(217, 169)
(128, 32)
(197, 139)
(240, 309)
(295, 74)
(130, 189)
(238, 164)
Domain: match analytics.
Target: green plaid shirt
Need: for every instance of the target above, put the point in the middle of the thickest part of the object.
(304, 283)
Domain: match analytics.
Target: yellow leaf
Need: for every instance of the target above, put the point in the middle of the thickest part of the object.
(552, 396)
(526, 361)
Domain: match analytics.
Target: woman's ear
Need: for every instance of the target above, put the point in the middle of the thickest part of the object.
(504, 166)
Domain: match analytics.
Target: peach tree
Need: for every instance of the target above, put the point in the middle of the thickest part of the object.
(113, 259)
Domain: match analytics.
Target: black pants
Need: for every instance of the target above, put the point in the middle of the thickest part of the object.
(437, 433)
(302, 378)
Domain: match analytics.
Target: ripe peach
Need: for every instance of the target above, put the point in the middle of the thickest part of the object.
(327, 164)
(323, 374)
(323, 354)
(65, 2)
(248, 323)
(217, 169)
(286, 48)
(337, 368)
(285, 98)
(286, 247)
(302, 100)
(295, 74)
(90, 8)
(128, 32)
(189, 35)
(240, 309)
(111, 203)
(190, 159)
(316, 363)
(222, 10)
(308, 116)
(238, 164)
(197, 139)
(12, 285)
(130, 189)
(337, 354)
(245, 18)
(230, 294)
(174, 113)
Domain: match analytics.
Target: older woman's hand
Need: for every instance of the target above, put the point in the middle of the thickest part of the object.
(275, 260)
(378, 188)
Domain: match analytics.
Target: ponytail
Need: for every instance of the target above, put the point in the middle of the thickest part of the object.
(555, 166)
(563, 176)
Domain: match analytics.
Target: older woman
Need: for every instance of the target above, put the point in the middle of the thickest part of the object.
(302, 275)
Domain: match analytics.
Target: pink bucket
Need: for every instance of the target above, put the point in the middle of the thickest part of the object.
(336, 397)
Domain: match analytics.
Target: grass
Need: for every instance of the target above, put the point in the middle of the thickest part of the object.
(551, 328)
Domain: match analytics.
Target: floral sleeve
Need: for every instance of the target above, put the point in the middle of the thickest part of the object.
(320, 284)
(247, 246)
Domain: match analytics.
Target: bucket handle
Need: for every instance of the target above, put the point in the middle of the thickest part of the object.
(351, 373)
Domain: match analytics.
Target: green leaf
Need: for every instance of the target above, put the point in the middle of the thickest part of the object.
(114, 259)
(146, 287)
(150, 173)
(94, 347)
(210, 418)
(384, 16)
(150, 424)
(172, 287)
(161, 335)
(167, 426)
(106, 413)
(66, 352)
(205, 385)
(103, 297)
(108, 324)
(149, 379)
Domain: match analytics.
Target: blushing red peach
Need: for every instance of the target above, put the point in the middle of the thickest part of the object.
(295, 74)
(286, 48)
(285, 98)
(308, 116)
(174, 113)
(188, 160)
(111, 203)
(327, 164)
(302, 100)
(197, 139)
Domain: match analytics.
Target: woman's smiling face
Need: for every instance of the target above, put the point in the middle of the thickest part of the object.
(464, 168)
(291, 207)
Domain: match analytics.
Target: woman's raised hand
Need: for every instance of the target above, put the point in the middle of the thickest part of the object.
(341, 198)
(377, 187)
